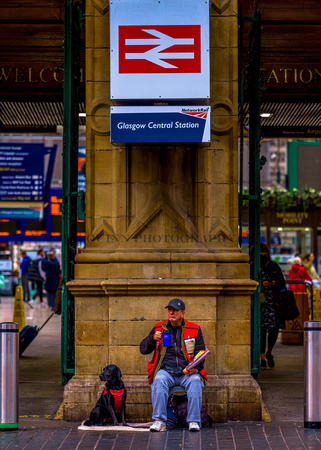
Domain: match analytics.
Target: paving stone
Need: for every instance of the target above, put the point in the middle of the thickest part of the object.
(234, 436)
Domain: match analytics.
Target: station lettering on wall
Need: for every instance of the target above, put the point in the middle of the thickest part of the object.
(290, 77)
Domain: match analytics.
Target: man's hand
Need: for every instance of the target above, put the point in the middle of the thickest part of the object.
(189, 372)
(158, 336)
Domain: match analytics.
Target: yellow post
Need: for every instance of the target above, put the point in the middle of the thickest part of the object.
(19, 308)
(316, 304)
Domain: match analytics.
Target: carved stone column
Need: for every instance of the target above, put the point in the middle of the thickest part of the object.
(162, 222)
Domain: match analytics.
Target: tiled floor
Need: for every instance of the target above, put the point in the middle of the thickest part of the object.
(41, 392)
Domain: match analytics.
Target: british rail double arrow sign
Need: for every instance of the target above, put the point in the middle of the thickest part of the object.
(159, 49)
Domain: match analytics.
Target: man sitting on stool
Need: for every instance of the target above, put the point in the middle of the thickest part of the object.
(166, 369)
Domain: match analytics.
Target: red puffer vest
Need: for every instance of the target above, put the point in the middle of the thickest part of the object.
(190, 330)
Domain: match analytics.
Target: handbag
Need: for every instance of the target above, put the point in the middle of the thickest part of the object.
(286, 305)
(179, 404)
(262, 298)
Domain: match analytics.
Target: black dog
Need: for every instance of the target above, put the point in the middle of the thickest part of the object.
(111, 404)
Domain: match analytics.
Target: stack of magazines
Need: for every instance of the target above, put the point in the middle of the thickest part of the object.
(201, 355)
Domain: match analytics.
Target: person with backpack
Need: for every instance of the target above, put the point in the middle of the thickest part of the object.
(24, 269)
(37, 275)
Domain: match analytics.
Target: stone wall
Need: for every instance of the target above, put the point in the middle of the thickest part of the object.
(162, 222)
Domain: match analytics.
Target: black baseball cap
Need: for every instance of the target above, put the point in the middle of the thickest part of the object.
(176, 303)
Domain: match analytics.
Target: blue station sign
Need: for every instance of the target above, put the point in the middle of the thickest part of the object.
(21, 172)
(160, 124)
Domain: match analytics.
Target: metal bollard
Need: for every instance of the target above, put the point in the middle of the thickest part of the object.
(312, 374)
(9, 378)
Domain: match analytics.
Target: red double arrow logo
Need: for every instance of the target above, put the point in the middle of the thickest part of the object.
(159, 49)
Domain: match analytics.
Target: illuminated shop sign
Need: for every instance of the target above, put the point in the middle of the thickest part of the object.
(160, 124)
(82, 169)
(47, 228)
(159, 49)
(293, 218)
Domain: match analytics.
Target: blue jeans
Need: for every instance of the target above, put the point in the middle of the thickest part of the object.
(51, 299)
(193, 386)
(25, 287)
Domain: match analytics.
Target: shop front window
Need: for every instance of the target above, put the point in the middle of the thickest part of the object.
(286, 243)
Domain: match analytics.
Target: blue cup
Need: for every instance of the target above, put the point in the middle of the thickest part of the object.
(166, 338)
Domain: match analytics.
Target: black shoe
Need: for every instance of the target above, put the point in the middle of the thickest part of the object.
(263, 364)
(270, 360)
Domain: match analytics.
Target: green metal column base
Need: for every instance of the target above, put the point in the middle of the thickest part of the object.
(9, 426)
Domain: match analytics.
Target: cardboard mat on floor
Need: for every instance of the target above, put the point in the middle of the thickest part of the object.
(131, 427)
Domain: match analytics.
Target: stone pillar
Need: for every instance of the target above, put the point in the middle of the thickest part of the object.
(162, 222)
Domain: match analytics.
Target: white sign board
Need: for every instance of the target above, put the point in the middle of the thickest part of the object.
(159, 49)
(5, 265)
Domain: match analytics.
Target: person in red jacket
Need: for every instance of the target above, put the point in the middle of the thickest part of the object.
(298, 272)
(168, 365)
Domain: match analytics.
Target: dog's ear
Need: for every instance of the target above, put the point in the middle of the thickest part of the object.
(119, 373)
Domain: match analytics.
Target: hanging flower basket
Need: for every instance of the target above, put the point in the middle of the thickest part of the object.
(283, 200)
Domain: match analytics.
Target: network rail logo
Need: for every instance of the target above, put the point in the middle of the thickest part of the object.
(159, 49)
(201, 113)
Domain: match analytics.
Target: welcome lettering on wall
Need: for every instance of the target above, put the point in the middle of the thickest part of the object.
(33, 75)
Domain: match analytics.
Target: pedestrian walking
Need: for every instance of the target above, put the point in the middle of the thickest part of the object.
(24, 266)
(37, 275)
(52, 270)
(272, 282)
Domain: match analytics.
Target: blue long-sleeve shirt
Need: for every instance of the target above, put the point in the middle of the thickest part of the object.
(24, 265)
